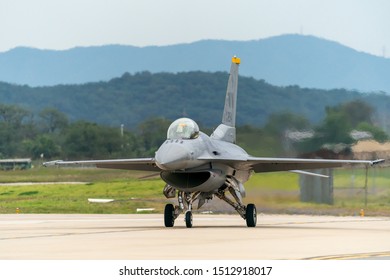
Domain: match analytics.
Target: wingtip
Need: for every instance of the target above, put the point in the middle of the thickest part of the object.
(377, 161)
(51, 163)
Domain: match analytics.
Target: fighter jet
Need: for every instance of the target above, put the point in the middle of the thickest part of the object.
(198, 167)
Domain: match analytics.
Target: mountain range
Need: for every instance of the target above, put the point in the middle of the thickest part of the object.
(134, 98)
(285, 60)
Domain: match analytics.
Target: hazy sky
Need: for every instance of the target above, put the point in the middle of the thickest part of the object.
(62, 24)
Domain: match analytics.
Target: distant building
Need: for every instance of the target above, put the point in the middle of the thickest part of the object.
(370, 149)
(360, 135)
(15, 164)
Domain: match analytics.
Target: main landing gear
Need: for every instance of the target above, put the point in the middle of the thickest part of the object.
(248, 212)
(186, 200)
(188, 219)
(251, 215)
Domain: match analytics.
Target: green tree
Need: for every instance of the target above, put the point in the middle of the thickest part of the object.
(152, 132)
(13, 116)
(89, 140)
(378, 134)
(339, 121)
(357, 111)
(53, 120)
(16, 125)
(42, 146)
(280, 125)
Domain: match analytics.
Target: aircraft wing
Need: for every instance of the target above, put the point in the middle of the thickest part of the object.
(142, 164)
(266, 164)
(257, 164)
(262, 164)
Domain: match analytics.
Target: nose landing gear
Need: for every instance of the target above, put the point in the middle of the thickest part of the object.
(172, 212)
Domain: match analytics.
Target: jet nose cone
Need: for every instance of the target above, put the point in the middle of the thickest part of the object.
(172, 156)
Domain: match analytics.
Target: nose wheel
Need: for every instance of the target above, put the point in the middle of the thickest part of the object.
(169, 216)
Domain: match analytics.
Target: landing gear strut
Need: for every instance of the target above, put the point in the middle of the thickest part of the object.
(248, 212)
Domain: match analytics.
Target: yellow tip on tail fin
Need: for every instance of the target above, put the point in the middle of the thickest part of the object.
(236, 60)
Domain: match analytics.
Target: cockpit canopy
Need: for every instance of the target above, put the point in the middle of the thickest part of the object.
(183, 128)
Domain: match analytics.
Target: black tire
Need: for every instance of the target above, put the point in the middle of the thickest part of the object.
(189, 219)
(251, 215)
(169, 215)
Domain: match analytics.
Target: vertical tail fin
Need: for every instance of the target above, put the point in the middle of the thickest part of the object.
(229, 112)
(226, 131)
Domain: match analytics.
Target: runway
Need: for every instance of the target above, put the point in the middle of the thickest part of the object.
(223, 237)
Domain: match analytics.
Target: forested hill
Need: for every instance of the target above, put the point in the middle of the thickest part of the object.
(283, 60)
(131, 99)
